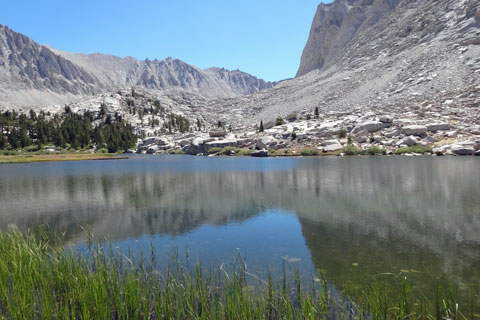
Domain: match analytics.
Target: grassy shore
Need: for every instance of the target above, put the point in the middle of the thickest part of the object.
(54, 157)
(40, 279)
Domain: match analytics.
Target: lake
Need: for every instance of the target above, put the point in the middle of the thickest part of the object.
(349, 216)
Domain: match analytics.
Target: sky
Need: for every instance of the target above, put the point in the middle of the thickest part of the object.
(262, 37)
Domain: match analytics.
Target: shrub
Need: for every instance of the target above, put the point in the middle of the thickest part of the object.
(279, 121)
(342, 134)
(413, 149)
(32, 148)
(245, 152)
(10, 152)
(294, 136)
(372, 151)
(179, 152)
(214, 150)
(309, 152)
(102, 150)
(228, 151)
(351, 150)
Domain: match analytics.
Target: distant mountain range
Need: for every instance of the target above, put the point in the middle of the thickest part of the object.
(37, 75)
(360, 55)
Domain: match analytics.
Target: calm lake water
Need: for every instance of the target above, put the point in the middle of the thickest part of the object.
(349, 216)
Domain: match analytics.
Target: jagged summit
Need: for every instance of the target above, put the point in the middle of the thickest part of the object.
(37, 75)
(28, 68)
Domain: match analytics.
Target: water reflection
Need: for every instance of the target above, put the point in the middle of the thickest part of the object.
(385, 214)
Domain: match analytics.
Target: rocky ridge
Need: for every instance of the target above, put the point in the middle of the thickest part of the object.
(168, 74)
(28, 69)
(37, 76)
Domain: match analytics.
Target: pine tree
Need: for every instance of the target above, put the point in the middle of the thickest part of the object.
(3, 141)
(317, 113)
(33, 115)
(13, 139)
(69, 128)
(24, 138)
(103, 111)
(261, 126)
(60, 139)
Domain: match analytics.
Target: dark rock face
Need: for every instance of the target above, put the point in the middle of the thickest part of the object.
(25, 64)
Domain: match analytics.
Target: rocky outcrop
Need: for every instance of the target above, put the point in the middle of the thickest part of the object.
(414, 130)
(267, 142)
(463, 150)
(220, 144)
(368, 127)
(335, 25)
(260, 153)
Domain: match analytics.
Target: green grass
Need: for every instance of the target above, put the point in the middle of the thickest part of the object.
(413, 149)
(245, 152)
(214, 150)
(40, 279)
(309, 152)
(351, 150)
(226, 151)
(372, 151)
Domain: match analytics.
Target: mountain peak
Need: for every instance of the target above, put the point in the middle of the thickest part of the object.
(31, 74)
(335, 25)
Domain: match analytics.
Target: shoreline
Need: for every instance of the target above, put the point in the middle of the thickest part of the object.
(31, 158)
(27, 158)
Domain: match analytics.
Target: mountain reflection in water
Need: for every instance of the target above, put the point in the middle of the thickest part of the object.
(383, 214)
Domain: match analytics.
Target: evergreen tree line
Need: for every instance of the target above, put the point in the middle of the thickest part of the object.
(18, 130)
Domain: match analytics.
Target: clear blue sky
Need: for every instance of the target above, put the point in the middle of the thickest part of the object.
(261, 37)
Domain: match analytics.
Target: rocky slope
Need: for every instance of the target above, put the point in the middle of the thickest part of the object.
(169, 74)
(33, 75)
(421, 50)
(335, 25)
(394, 74)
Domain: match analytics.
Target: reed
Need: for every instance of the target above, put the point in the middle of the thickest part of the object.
(40, 278)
